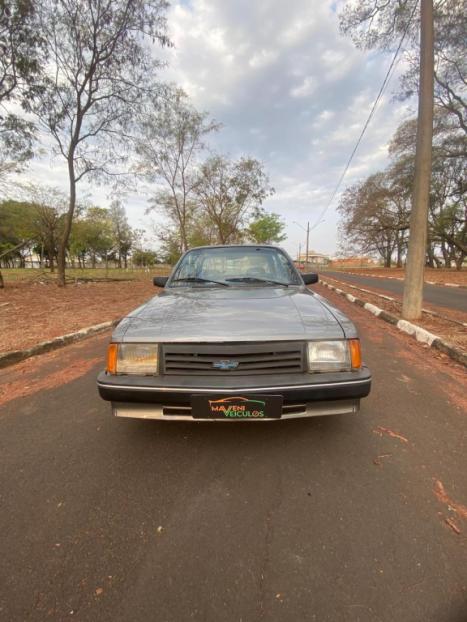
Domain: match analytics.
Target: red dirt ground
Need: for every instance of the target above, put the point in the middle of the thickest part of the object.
(34, 312)
(52, 369)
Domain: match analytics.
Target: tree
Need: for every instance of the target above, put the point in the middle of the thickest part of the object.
(380, 25)
(375, 212)
(20, 64)
(48, 210)
(170, 246)
(16, 231)
(266, 228)
(398, 181)
(448, 210)
(373, 216)
(144, 258)
(16, 142)
(374, 25)
(446, 217)
(201, 232)
(179, 224)
(448, 140)
(20, 47)
(121, 232)
(450, 67)
(229, 192)
(171, 137)
(101, 70)
(92, 235)
(21, 61)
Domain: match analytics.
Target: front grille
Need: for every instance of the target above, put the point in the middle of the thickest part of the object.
(257, 358)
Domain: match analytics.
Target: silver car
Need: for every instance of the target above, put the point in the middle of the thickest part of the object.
(234, 335)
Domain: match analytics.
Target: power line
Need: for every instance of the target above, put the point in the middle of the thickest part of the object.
(370, 116)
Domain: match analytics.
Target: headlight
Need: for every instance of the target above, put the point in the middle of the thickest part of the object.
(133, 358)
(329, 356)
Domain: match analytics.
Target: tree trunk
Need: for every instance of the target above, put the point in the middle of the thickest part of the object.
(63, 243)
(431, 256)
(2, 283)
(387, 257)
(444, 250)
(61, 265)
(399, 251)
(413, 285)
(460, 260)
(452, 255)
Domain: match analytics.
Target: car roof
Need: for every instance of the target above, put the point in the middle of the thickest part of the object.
(234, 246)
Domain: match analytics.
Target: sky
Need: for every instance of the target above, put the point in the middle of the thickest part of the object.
(289, 90)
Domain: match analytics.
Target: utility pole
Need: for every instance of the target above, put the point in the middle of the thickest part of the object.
(299, 252)
(307, 235)
(413, 284)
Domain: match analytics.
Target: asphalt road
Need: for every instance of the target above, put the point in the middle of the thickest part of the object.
(337, 519)
(440, 295)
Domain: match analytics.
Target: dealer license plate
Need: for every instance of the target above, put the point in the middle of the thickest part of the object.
(236, 407)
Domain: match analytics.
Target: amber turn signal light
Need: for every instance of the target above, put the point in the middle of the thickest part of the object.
(112, 352)
(355, 353)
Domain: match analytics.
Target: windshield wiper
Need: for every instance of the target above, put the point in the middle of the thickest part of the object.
(198, 279)
(254, 279)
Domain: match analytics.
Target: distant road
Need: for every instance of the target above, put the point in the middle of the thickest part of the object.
(440, 295)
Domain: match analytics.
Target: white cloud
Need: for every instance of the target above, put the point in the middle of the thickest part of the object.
(263, 58)
(326, 115)
(305, 89)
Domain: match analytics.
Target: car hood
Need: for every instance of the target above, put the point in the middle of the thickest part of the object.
(235, 314)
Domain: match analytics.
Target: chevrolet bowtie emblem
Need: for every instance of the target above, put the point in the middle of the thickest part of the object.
(225, 365)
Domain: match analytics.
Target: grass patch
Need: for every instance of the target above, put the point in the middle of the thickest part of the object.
(15, 275)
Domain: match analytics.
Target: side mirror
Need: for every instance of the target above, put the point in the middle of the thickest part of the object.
(160, 281)
(310, 278)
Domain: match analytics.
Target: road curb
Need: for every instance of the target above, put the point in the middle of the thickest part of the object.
(419, 333)
(15, 356)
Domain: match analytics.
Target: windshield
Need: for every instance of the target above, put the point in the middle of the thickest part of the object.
(242, 265)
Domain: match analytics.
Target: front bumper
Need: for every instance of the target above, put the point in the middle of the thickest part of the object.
(169, 397)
